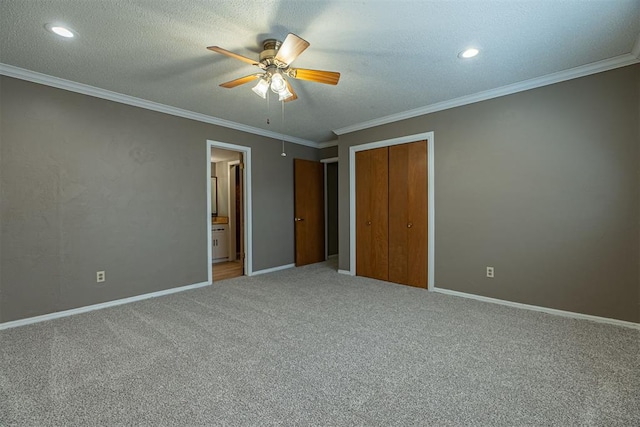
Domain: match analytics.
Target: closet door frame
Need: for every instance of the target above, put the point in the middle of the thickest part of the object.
(429, 136)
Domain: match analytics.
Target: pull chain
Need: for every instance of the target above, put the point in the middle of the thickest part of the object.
(283, 154)
(268, 119)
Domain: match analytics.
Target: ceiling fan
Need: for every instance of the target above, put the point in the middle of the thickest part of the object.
(275, 61)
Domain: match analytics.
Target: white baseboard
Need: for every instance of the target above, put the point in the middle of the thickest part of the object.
(541, 309)
(272, 269)
(332, 256)
(347, 272)
(79, 310)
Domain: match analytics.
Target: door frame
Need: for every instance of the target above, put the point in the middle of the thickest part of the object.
(429, 136)
(326, 208)
(248, 244)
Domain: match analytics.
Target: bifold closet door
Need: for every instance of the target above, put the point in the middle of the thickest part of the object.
(372, 208)
(408, 214)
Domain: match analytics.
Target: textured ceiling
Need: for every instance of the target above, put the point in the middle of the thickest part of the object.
(394, 56)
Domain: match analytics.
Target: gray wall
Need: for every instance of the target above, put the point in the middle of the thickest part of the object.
(88, 184)
(329, 152)
(543, 185)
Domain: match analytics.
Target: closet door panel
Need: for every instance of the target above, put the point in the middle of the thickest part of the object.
(398, 214)
(417, 214)
(408, 214)
(372, 220)
(363, 209)
(380, 212)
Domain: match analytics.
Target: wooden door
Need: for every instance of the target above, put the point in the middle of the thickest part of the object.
(309, 211)
(372, 206)
(408, 214)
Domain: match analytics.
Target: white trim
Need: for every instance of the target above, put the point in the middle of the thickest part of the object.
(431, 215)
(573, 73)
(35, 77)
(352, 212)
(327, 144)
(429, 136)
(346, 272)
(85, 309)
(576, 72)
(209, 212)
(330, 160)
(248, 216)
(272, 269)
(553, 311)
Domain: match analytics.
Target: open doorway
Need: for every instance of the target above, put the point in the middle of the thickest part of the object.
(229, 211)
(331, 206)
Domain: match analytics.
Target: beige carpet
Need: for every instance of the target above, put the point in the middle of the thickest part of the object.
(308, 346)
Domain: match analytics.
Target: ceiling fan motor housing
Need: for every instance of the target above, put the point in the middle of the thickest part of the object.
(269, 51)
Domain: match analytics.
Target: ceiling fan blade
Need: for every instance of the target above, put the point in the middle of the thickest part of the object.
(240, 81)
(290, 49)
(234, 55)
(318, 76)
(293, 92)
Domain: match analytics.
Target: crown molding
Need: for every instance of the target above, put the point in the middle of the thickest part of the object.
(561, 76)
(327, 144)
(57, 82)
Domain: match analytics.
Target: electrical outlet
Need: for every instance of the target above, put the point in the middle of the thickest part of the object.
(100, 276)
(490, 272)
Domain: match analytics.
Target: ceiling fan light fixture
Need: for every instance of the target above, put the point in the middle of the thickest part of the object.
(468, 53)
(261, 88)
(277, 83)
(284, 94)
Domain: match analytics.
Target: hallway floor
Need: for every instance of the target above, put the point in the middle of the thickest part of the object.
(227, 270)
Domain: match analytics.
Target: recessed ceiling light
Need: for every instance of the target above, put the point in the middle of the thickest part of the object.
(60, 30)
(469, 53)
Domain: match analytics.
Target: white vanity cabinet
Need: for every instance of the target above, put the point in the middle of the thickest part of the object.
(219, 240)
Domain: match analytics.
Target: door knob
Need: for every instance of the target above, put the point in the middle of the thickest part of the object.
(368, 222)
(298, 219)
(410, 225)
